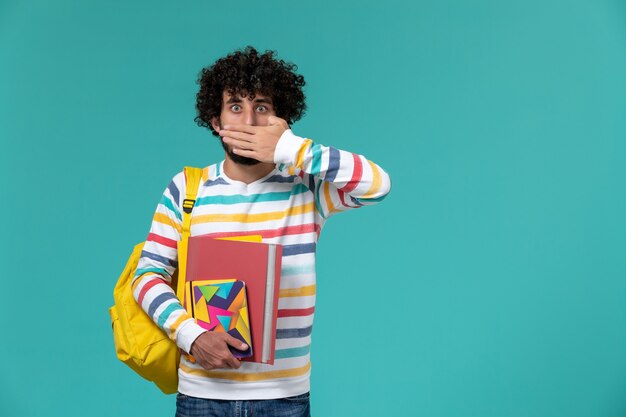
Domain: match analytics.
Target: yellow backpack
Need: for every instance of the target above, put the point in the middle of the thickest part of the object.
(139, 342)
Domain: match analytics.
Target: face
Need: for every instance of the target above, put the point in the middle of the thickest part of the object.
(241, 110)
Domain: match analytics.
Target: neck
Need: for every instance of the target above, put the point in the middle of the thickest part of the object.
(246, 173)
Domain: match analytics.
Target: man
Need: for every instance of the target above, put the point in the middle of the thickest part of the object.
(271, 183)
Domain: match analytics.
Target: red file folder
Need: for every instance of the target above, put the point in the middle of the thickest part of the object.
(258, 264)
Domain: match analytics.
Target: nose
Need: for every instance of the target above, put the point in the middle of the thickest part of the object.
(250, 117)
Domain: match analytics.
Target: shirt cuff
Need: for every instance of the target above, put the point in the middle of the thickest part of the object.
(187, 334)
(287, 148)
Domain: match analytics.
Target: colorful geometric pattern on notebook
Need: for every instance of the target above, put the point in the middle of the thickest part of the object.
(221, 306)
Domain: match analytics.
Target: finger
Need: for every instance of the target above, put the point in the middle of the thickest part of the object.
(239, 144)
(244, 152)
(208, 365)
(277, 121)
(234, 362)
(242, 128)
(236, 135)
(234, 342)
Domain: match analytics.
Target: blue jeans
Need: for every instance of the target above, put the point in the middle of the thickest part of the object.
(296, 406)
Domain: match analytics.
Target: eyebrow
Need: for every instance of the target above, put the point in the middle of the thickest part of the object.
(256, 100)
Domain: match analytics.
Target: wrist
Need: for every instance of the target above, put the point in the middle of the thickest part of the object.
(188, 333)
(287, 148)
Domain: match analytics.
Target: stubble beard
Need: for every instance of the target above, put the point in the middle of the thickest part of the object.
(238, 159)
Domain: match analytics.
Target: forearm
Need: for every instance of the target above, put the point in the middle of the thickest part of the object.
(349, 172)
(343, 179)
(158, 300)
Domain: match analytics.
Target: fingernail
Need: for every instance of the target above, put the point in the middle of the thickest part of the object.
(244, 346)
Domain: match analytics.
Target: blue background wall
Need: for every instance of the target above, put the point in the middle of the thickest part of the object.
(491, 282)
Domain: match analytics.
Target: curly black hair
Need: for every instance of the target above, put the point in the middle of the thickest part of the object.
(249, 73)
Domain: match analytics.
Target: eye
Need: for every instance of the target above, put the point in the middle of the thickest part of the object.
(261, 109)
(235, 107)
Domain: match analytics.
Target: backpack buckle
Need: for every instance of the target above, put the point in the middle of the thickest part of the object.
(188, 205)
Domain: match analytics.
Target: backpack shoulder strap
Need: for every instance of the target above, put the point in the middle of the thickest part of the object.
(192, 182)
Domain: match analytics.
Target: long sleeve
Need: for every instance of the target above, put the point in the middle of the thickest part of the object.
(340, 180)
(158, 262)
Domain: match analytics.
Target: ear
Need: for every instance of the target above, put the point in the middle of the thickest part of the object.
(215, 123)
